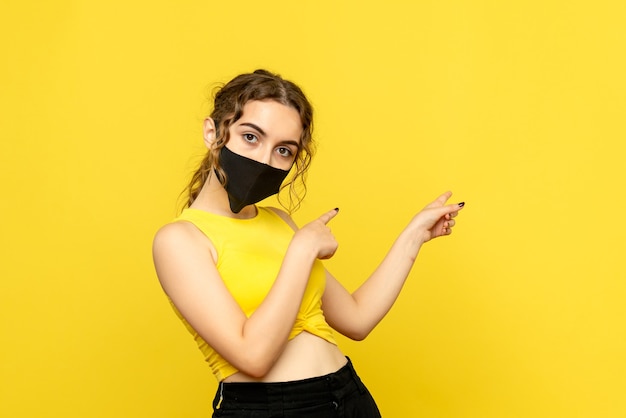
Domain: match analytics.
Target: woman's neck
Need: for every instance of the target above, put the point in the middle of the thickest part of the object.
(213, 198)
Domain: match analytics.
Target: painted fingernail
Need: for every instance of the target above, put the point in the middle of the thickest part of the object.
(461, 204)
(336, 209)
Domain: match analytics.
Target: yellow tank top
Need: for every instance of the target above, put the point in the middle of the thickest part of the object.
(249, 255)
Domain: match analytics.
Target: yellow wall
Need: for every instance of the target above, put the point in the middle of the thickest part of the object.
(518, 107)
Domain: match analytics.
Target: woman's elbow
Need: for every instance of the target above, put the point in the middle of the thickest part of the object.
(256, 367)
(354, 330)
(357, 334)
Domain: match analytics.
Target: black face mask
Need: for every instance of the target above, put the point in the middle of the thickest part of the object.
(248, 181)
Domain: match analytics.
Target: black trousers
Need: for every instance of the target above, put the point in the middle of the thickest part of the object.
(339, 394)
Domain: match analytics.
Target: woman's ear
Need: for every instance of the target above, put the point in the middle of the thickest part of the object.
(209, 132)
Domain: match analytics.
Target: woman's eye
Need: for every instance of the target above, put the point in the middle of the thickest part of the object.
(284, 152)
(250, 138)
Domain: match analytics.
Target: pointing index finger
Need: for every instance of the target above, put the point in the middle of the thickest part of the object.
(325, 218)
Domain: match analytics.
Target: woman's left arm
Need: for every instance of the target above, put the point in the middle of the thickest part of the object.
(355, 315)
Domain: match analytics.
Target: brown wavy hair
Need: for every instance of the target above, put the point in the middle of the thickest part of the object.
(228, 106)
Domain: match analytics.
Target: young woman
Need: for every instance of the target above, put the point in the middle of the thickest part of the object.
(249, 284)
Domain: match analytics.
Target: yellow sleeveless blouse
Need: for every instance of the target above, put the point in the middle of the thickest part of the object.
(249, 255)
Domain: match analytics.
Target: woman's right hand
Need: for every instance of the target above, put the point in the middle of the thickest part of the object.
(317, 236)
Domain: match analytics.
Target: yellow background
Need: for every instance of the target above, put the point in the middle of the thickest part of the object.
(518, 107)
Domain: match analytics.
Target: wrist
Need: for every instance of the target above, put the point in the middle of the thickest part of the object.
(302, 249)
(412, 240)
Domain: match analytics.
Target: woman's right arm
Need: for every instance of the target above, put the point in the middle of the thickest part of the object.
(188, 274)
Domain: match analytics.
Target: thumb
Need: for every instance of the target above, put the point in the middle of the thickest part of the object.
(325, 218)
(441, 200)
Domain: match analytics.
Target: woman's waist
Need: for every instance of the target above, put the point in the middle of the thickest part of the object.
(304, 356)
(315, 392)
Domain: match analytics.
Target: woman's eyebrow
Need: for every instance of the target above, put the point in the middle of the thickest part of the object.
(262, 132)
(253, 126)
(294, 143)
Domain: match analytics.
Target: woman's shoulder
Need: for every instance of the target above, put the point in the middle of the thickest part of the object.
(176, 233)
(181, 240)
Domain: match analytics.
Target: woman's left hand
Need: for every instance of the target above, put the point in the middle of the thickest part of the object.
(436, 219)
